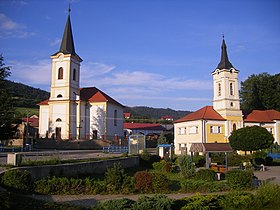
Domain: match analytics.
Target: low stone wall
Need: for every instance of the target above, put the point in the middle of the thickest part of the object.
(75, 169)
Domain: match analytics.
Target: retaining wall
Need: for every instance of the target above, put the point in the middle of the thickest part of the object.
(75, 169)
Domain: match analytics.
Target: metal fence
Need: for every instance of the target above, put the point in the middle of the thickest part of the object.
(26, 148)
(115, 149)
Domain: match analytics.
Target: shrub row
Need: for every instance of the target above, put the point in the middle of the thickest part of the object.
(266, 198)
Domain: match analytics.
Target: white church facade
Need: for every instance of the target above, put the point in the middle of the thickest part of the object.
(214, 124)
(72, 112)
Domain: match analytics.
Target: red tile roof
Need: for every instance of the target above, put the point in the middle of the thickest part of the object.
(127, 115)
(263, 116)
(93, 94)
(45, 102)
(205, 113)
(33, 121)
(143, 126)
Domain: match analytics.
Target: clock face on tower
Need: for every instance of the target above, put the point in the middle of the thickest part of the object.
(60, 57)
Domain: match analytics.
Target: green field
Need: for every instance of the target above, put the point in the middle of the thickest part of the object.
(23, 111)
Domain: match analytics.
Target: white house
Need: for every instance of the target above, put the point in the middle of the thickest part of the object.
(72, 112)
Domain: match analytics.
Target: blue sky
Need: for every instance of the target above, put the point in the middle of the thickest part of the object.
(157, 53)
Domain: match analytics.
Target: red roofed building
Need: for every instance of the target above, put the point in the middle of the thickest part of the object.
(126, 115)
(72, 112)
(214, 124)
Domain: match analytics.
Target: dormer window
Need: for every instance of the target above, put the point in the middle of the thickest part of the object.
(60, 73)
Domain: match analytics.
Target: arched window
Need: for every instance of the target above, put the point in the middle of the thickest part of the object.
(58, 120)
(234, 127)
(231, 89)
(219, 89)
(60, 73)
(74, 74)
(59, 96)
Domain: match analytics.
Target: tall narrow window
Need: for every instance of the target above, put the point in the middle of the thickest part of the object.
(74, 74)
(231, 89)
(60, 73)
(234, 127)
(219, 89)
(115, 117)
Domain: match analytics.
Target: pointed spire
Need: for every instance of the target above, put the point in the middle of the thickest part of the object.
(67, 43)
(224, 63)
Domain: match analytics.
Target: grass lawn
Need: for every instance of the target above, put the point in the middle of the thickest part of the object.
(23, 111)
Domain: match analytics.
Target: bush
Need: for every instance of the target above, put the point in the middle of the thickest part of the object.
(205, 174)
(159, 183)
(259, 161)
(186, 166)
(157, 202)
(268, 196)
(237, 160)
(147, 160)
(202, 202)
(259, 154)
(240, 180)
(17, 180)
(191, 185)
(199, 160)
(268, 161)
(114, 179)
(237, 200)
(143, 181)
(162, 166)
(117, 204)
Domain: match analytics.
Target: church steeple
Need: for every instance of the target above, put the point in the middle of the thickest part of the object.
(224, 63)
(67, 44)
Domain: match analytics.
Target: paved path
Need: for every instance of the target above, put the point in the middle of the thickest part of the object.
(271, 174)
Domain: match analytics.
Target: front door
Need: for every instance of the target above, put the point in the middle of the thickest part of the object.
(58, 132)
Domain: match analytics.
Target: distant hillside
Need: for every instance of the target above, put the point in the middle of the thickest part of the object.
(29, 97)
(24, 95)
(155, 113)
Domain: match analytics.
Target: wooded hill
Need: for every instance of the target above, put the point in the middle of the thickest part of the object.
(29, 97)
(24, 95)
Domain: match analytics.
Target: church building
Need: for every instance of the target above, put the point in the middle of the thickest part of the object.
(72, 112)
(214, 124)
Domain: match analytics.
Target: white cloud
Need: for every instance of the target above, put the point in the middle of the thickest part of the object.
(37, 73)
(11, 29)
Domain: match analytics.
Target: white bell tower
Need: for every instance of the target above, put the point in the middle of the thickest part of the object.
(64, 102)
(226, 94)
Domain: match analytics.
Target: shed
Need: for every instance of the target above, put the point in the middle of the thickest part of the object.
(208, 148)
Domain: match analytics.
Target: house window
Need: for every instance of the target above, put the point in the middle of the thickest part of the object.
(219, 89)
(58, 120)
(215, 129)
(115, 117)
(74, 74)
(193, 129)
(182, 131)
(59, 96)
(60, 73)
(234, 127)
(231, 89)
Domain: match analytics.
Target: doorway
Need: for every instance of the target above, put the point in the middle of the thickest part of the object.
(58, 132)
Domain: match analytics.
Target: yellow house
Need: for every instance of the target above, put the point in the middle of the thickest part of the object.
(214, 124)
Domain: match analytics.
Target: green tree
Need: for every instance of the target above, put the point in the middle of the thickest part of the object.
(251, 138)
(162, 139)
(261, 91)
(6, 109)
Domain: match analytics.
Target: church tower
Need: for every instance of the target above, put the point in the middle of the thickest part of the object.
(65, 88)
(226, 96)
